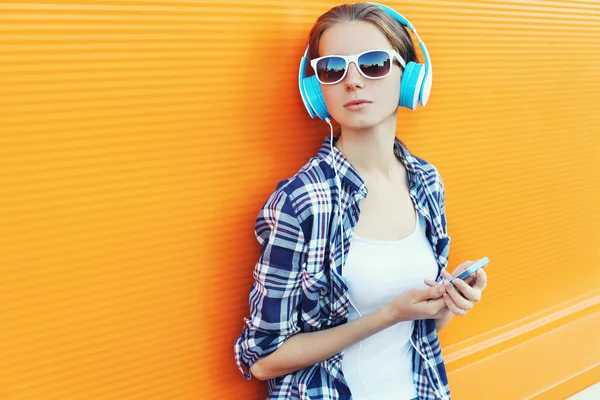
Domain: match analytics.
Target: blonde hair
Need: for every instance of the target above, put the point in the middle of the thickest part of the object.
(395, 33)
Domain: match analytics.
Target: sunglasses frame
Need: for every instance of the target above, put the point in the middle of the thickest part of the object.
(393, 54)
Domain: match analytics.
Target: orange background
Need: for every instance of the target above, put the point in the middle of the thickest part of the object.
(140, 138)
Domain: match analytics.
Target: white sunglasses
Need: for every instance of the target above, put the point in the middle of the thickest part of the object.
(372, 64)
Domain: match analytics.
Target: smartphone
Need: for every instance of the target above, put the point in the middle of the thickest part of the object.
(472, 269)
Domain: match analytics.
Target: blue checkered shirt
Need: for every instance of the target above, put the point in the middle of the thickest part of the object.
(298, 284)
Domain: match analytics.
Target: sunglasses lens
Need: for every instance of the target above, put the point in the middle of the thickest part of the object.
(331, 69)
(375, 64)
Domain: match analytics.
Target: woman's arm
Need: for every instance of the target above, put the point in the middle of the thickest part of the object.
(305, 349)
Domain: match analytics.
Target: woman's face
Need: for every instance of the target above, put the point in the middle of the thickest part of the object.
(349, 38)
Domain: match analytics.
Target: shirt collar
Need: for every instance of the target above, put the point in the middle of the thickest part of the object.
(350, 176)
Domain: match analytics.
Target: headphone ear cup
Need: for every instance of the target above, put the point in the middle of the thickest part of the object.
(314, 96)
(410, 84)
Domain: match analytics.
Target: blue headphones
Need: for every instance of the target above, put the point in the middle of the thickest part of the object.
(415, 85)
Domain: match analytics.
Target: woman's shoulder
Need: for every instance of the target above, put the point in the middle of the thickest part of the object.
(306, 191)
(427, 169)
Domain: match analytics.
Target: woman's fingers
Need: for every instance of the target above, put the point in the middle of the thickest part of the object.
(471, 279)
(447, 274)
(456, 310)
(468, 292)
(458, 298)
(430, 283)
(434, 292)
(481, 281)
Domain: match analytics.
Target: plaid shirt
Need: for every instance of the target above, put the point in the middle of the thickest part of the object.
(298, 284)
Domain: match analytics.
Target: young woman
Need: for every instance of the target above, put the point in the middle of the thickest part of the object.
(349, 290)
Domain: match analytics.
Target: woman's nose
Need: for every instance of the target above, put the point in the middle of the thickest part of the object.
(353, 76)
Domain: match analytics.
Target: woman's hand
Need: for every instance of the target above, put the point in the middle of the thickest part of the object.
(461, 296)
(417, 303)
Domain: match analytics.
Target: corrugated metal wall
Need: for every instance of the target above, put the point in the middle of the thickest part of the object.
(139, 139)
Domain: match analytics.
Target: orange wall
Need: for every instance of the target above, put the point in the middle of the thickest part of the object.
(139, 139)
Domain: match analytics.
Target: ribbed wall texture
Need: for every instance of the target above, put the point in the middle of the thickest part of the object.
(139, 139)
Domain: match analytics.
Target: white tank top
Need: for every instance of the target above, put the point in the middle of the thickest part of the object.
(375, 272)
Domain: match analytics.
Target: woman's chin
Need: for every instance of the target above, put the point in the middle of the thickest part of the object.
(357, 123)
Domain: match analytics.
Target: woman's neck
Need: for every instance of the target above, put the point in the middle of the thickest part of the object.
(370, 151)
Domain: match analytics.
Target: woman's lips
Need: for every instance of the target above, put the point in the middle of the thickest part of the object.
(356, 105)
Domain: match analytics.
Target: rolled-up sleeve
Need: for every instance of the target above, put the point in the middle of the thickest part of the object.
(276, 292)
(442, 199)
